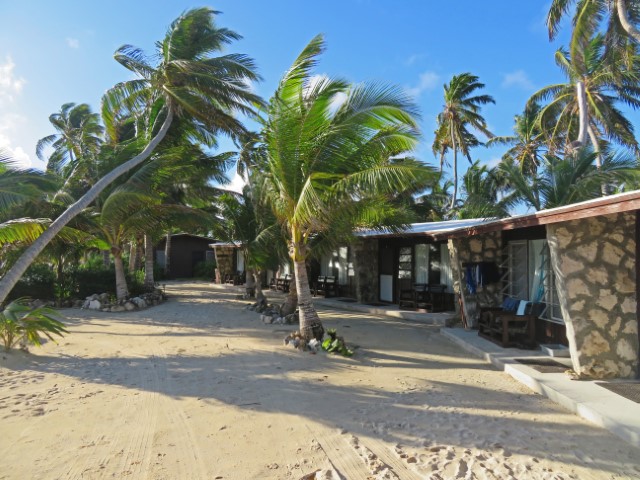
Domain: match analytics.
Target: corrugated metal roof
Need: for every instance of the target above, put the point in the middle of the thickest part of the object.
(427, 228)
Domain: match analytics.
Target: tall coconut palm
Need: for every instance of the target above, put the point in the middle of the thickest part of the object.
(79, 135)
(587, 104)
(528, 142)
(461, 111)
(483, 188)
(619, 17)
(186, 83)
(328, 147)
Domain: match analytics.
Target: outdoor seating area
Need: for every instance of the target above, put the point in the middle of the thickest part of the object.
(423, 296)
(511, 324)
(237, 278)
(280, 284)
(326, 286)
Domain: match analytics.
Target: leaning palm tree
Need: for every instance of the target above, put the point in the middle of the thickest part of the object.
(461, 111)
(586, 105)
(328, 148)
(187, 83)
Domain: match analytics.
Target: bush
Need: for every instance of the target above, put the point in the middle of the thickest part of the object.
(37, 282)
(206, 269)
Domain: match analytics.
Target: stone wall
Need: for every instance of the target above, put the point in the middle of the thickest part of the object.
(365, 266)
(480, 248)
(594, 261)
(224, 262)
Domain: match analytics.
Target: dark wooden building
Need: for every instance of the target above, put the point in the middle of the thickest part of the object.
(187, 251)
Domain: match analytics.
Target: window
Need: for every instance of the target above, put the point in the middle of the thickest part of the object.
(529, 276)
(422, 263)
(405, 262)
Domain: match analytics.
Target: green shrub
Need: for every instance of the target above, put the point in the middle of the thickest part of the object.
(19, 322)
(206, 269)
(37, 282)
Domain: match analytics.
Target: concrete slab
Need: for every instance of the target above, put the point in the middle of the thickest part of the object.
(438, 318)
(585, 398)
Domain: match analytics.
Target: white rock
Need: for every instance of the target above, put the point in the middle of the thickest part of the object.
(118, 308)
(139, 302)
(94, 305)
(129, 306)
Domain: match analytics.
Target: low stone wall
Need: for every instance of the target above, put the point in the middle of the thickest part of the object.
(480, 248)
(594, 261)
(224, 261)
(365, 265)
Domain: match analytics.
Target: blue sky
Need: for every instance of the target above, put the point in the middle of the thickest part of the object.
(57, 52)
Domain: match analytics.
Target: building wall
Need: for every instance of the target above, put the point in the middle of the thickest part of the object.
(365, 265)
(186, 251)
(224, 262)
(595, 264)
(480, 248)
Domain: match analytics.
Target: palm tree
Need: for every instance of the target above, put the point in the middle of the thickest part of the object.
(461, 111)
(569, 179)
(79, 135)
(528, 143)
(588, 100)
(187, 83)
(328, 147)
(483, 191)
(620, 16)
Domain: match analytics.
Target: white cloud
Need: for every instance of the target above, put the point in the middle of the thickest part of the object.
(427, 81)
(10, 84)
(412, 59)
(73, 42)
(9, 124)
(236, 185)
(518, 79)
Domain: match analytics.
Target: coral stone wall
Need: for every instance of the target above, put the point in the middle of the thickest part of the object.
(365, 263)
(480, 248)
(595, 265)
(224, 262)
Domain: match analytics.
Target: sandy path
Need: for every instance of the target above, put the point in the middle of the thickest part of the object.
(198, 388)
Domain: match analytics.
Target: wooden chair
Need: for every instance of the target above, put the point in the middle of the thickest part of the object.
(318, 285)
(436, 294)
(406, 295)
(511, 328)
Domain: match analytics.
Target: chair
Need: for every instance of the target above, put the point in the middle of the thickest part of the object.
(421, 296)
(406, 297)
(436, 294)
(511, 327)
(318, 285)
(282, 283)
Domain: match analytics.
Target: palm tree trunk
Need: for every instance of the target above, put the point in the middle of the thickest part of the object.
(133, 252)
(258, 279)
(596, 149)
(310, 324)
(30, 254)
(455, 167)
(291, 302)
(584, 114)
(249, 282)
(625, 21)
(121, 280)
(149, 281)
(167, 255)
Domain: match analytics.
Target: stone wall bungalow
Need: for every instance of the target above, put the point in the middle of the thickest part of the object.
(577, 264)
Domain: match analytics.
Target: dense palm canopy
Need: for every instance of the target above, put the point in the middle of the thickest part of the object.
(461, 111)
(587, 105)
(569, 179)
(200, 90)
(619, 18)
(333, 158)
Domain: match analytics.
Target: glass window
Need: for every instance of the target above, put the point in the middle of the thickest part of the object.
(405, 262)
(422, 263)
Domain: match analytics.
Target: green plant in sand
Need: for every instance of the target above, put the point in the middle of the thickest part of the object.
(335, 344)
(21, 323)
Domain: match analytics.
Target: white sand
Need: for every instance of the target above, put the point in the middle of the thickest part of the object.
(198, 388)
